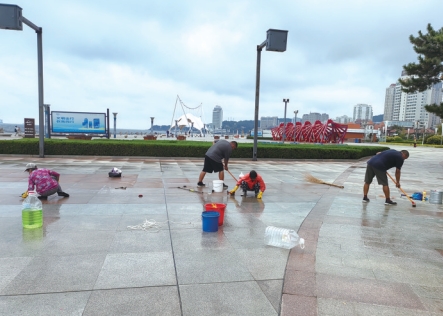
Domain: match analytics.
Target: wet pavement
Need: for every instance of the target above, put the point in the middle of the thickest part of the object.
(92, 257)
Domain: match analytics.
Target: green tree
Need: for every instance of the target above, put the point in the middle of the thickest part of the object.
(429, 69)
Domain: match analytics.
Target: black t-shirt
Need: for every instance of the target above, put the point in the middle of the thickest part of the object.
(386, 160)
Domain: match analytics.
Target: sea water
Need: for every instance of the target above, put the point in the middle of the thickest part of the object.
(32, 218)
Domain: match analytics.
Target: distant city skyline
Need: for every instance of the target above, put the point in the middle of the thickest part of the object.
(410, 107)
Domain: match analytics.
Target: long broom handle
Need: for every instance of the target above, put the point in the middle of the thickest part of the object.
(413, 203)
(232, 175)
(334, 185)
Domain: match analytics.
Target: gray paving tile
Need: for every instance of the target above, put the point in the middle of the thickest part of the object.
(344, 271)
(236, 298)
(428, 291)
(265, 263)
(367, 291)
(416, 277)
(72, 303)
(134, 301)
(56, 274)
(195, 239)
(126, 270)
(273, 291)
(147, 222)
(375, 309)
(136, 241)
(77, 243)
(10, 268)
(211, 265)
(434, 306)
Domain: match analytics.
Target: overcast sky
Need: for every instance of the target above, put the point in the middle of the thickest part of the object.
(136, 57)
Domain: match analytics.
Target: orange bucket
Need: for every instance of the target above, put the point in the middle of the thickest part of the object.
(217, 207)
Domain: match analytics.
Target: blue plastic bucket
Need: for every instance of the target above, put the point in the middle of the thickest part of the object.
(210, 221)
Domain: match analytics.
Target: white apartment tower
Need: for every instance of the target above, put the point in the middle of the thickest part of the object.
(411, 106)
(217, 117)
(343, 119)
(267, 122)
(389, 103)
(313, 117)
(362, 113)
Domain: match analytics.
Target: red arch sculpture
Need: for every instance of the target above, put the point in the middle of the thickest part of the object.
(329, 132)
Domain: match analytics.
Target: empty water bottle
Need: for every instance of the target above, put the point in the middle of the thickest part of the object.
(32, 211)
(283, 238)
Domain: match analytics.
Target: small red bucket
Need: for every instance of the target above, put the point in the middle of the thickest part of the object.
(217, 207)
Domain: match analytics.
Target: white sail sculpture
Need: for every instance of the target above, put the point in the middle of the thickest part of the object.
(187, 121)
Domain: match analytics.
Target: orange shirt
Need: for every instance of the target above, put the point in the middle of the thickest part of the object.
(251, 182)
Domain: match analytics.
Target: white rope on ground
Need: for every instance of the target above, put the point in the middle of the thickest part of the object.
(150, 224)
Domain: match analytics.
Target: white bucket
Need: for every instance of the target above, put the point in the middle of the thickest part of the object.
(436, 197)
(217, 185)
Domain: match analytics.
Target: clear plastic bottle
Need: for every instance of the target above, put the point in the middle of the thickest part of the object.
(283, 238)
(32, 211)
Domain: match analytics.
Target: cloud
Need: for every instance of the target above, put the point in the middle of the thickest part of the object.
(135, 57)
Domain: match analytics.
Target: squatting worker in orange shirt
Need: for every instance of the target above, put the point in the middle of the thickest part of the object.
(250, 182)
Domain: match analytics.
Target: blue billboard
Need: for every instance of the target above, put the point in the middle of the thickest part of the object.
(78, 122)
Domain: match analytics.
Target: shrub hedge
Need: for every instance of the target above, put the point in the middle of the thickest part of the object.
(433, 140)
(172, 148)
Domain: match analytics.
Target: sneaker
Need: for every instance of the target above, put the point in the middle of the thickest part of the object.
(201, 184)
(224, 186)
(390, 202)
(63, 194)
(365, 200)
(42, 197)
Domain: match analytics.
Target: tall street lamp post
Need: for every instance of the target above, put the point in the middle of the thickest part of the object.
(11, 19)
(115, 124)
(295, 125)
(441, 139)
(47, 108)
(176, 124)
(275, 41)
(286, 101)
(416, 129)
(152, 123)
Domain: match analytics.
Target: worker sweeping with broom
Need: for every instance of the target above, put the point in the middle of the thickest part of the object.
(250, 182)
(378, 165)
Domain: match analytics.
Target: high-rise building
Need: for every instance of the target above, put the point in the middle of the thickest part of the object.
(362, 113)
(343, 119)
(267, 122)
(312, 117)
(389, 103)
(324, 117)
(410, 107)
(217, 117)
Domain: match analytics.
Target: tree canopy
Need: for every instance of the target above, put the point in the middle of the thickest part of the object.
(429, 69)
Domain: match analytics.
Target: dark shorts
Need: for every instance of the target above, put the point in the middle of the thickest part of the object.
(371, 172)
(212, 165)
(245, 187)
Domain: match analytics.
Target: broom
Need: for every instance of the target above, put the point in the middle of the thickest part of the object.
(312, 179)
